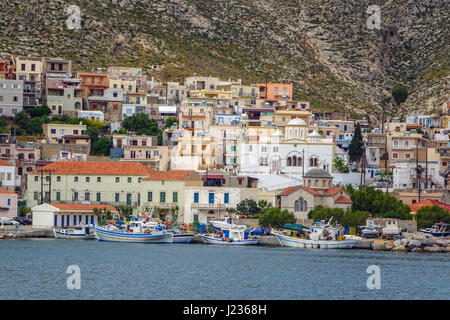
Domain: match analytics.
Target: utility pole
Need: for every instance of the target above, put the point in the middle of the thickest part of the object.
(426, 164)
(417, 168)
(303, 165)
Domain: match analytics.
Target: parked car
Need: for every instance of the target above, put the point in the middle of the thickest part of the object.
(23, 221)
(8, 221)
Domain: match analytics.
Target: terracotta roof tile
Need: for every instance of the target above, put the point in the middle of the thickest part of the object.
(169, 175)
(3, 163)
(416, 206)
(6, 192)
(343, 199)
(78, 206)
(289, 190)
(311, 190)
(97, 168)
(332, 191)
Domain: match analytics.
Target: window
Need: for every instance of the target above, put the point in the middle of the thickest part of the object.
(58, 178)
(149, 196)
(88, 179)
(75, 196)
(98, 197)
(99, 179)
(117, 197)
(226, 198)
(196, 197)
(15, 98)
(35, 195)
(395, 155)
(129, 179)
(175, 197)
(211, 197)
(58, 196)
(75, 179)
(53, 131)
(162, 197)
(117, 179)
(87, 196)
(36, 178)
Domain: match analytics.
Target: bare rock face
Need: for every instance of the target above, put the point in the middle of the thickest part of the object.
(416, 249)
(400, 248)
(388, 245)
(434, 248)
(324, 47)
(378, 245)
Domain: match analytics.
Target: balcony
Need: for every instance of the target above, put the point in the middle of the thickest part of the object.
(163, 205)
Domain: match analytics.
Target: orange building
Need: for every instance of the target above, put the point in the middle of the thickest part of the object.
(6, 69)
(274, 91)
(93, 84)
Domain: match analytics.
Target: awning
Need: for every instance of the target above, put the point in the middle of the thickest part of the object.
(294, 227)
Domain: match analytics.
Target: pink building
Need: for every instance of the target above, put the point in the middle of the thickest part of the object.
(8, 204)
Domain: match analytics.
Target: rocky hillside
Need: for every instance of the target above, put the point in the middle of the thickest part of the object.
(324, 47)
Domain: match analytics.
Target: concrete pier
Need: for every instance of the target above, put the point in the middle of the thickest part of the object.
(268, 241)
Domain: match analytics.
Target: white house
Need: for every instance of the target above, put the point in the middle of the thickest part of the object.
(49, 215)
(8, 179)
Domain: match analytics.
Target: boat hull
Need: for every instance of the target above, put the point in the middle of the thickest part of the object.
(245, 242)
(105, 235)
(63, 235)
(436, 234)
(182, 238)
(292, 242)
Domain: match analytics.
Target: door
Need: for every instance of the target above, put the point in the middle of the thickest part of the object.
(211, 198)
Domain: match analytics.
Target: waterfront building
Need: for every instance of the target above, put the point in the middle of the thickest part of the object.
(317, 189)
(8, 204)
(49, 215)
(114, 183)
(164, 192)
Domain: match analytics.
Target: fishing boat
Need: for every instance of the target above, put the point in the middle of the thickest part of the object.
(178, 236)
(320, 236)
(225, 223)
(134, 232)
(391, 228)
(438, 230)
(370, 229)
(230, 237)
(76, 232)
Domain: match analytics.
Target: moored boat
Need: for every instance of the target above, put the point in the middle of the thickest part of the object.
(391, 228)
(76, 232)
(437, 230)
(319, 237)
(230, 237)
(226, 223)
(370, 230)
(135, 232)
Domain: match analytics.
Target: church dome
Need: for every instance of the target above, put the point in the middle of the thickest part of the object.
(318, 173)
(296, 122)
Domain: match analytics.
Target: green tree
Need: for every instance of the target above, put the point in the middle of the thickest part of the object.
(429, 215)
(400, 94)
(93, 133)
(141, 124)
(101, 146)
(339, 165)
(248, 207)
(264, 205)
(355, 218)
(323, 213)
(276, 218)
(41, 111)
(170, 121)
(3, 125)
(356, 147)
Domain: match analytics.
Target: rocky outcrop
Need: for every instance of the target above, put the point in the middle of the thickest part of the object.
(324, 47)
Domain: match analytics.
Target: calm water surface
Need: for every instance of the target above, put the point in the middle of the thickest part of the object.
(36, 269)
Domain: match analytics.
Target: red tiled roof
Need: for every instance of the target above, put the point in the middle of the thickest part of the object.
(3, 163)
(6, 192)
(333, 191)
(311, 190)
(97, 168)
(77, 206)
(416, 206)
(343, 199)
(289, 190)
(169, 175)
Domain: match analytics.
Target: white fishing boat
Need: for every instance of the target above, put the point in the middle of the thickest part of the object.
(225, 223)
(391, 228)
(438, 230)
(230, 237)
(181, 237)
(319, 237)
(134, 232)
(76, 232)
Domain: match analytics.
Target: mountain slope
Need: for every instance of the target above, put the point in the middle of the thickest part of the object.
(324, 47)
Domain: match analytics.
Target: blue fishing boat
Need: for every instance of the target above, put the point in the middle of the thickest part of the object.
(76, 232)
(438, 230)
(135, 232)
(230, 237)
